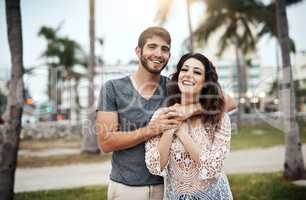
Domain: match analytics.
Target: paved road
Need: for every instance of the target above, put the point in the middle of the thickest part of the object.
(242, 161)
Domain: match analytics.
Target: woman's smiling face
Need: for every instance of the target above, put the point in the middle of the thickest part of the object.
(191, 77)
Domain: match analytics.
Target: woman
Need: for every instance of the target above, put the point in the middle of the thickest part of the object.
(191, 157)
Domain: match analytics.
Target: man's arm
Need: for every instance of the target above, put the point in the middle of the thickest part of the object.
(230, 103)
(186, 111)
(110, 139)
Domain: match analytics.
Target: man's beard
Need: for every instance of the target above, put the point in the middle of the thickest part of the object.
(144, 62)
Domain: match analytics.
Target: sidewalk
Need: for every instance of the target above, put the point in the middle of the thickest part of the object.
(241, 161)
(50, 152)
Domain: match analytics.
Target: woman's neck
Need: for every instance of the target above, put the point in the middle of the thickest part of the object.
(188, 99)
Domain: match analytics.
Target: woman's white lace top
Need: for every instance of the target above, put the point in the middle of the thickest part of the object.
(183, 176)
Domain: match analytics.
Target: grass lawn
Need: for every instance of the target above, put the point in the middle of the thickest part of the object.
(60, 160)
(43, 144)
(266, 186)
(261, 136)
(27, 161)
(269, 186)
(90, 193)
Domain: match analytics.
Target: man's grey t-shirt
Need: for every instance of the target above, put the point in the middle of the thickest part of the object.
(134, 111)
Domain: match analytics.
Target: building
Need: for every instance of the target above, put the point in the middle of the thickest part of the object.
(4, 73)
(258, 81)
(227, 72)
(299, 65)
(299, 74)
(4, 77)
(103, 74)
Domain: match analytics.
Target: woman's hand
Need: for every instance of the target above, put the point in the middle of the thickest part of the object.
(190, 145)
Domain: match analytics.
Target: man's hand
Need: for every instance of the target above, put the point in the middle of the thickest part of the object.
(183, 112)
(166, 120)
(230, 103)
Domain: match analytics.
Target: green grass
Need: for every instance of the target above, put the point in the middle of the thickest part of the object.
(269, 186)
(261, 136)
(26, 161)
(43, 144)
(92, 193)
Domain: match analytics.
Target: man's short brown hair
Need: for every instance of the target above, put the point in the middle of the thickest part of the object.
(153, 31)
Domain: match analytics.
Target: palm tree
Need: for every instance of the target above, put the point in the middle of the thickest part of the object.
(236, 18)
(52, 54)
(90, 144)
(232, 15)
(9, 142)
(62, 54)
(164, 7)
(294, 168)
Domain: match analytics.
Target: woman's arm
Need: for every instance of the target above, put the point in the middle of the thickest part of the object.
(164, 146)
(211, 161)
(157, 150)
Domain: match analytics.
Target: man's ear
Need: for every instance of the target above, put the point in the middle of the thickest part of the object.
(138, 51)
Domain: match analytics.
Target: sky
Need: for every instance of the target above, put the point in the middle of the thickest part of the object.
(119, 23)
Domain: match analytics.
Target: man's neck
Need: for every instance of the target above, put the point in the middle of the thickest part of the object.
(145, 82)
(143, 76)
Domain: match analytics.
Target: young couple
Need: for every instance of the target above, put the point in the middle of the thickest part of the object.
(157, 127)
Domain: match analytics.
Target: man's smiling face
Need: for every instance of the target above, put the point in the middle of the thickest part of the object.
(154, 55)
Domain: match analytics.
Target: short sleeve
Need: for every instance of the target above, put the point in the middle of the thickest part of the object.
(107, 97)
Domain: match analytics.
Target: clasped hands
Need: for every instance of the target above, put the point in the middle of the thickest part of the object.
(170, 118)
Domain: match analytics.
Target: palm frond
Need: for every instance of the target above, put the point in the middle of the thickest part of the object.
(248, 39)
(164, 7)
(163, 10)
(292, 45)
(292, 2)
(228, 38)
(208, 26)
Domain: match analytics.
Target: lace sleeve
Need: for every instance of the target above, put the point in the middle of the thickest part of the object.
(152, 156)
(211, 161)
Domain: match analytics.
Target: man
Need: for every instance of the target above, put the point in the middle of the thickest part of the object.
(124, 110)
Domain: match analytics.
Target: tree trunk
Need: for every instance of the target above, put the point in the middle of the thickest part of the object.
(9, 139)
(241, 78)
(188, 2)
(278, 71)
(294, 168)
(90, 144)
(77, 99)
(52, 88)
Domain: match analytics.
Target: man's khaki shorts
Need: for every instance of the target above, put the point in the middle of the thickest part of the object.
(119, 191)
